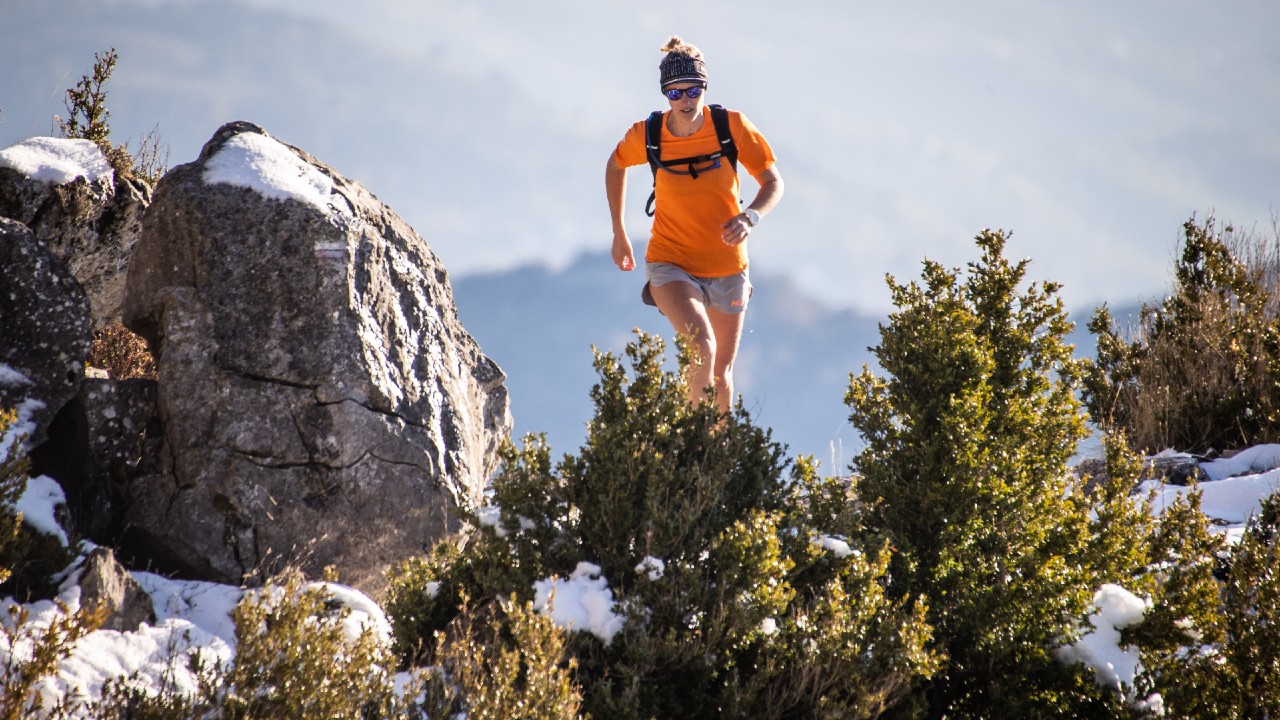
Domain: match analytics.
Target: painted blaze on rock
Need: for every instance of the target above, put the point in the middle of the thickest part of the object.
(319, 399)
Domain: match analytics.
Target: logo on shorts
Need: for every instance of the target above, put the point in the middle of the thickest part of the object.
(737, 303)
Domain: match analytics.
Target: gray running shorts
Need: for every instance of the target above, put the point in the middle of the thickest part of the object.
(728, 294)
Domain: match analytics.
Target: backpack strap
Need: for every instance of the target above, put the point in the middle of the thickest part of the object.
(653, 148)
(652, 143)
(720, 118)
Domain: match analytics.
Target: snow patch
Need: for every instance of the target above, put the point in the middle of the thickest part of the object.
(1250, 461)
(1114, 666)
(21, 429)
(652, 568)
(12, 378)
(37, 504)
(364, 613)
(835, 546)
(583, 602)
(266, 166)
(57, 160)
(491, 516)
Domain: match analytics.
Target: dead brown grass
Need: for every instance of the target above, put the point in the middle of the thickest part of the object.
(120, 352)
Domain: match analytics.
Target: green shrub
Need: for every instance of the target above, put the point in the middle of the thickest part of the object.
(965, 474)
(749, 616)
(1200, 370)
(1211, 640)
(503, 661)
(1182, 629)
(124, 698)
(30, 652)
(1243, 675)
(294, 659)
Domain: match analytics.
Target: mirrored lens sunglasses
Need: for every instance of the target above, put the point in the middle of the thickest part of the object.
(675, 93)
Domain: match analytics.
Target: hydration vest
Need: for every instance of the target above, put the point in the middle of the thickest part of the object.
(653, 138)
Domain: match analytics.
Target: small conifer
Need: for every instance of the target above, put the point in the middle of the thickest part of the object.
(965, 474)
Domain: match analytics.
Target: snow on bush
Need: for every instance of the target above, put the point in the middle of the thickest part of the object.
(583, 602)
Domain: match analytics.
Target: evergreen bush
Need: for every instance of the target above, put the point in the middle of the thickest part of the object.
(1250, 657)
(1211, 639)
(968, 436)
(13, 481)
(1201, 369)
(719, 562)
(500, 662)
(296, 657)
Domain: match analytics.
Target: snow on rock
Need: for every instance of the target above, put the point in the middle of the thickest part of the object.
(11, 377)
(1114, 666)
(1234, 494)
(364, 613)
(263, 164)
(345, 371)
(22, 428)
(583, 602)
(1250, 461)
(190, 617)
(37, 504)
(57, 160)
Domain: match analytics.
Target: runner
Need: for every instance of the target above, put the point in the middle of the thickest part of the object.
(696, 261)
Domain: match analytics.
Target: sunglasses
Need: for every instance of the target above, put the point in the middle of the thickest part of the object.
(675, 93)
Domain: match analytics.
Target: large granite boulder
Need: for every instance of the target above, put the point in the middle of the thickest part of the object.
(66, 192)
(44, 330)
(318, 399)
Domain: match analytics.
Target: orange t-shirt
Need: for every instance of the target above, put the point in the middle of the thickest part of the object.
(686, 224)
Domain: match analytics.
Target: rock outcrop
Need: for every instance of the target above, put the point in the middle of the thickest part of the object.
(318, 399)
(94, 446)
(106, 585)
(88, 220)
(44, 329)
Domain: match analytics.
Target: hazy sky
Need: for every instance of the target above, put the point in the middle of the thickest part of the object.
(1091, 130)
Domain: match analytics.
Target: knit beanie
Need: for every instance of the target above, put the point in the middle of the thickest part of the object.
(683, 63)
